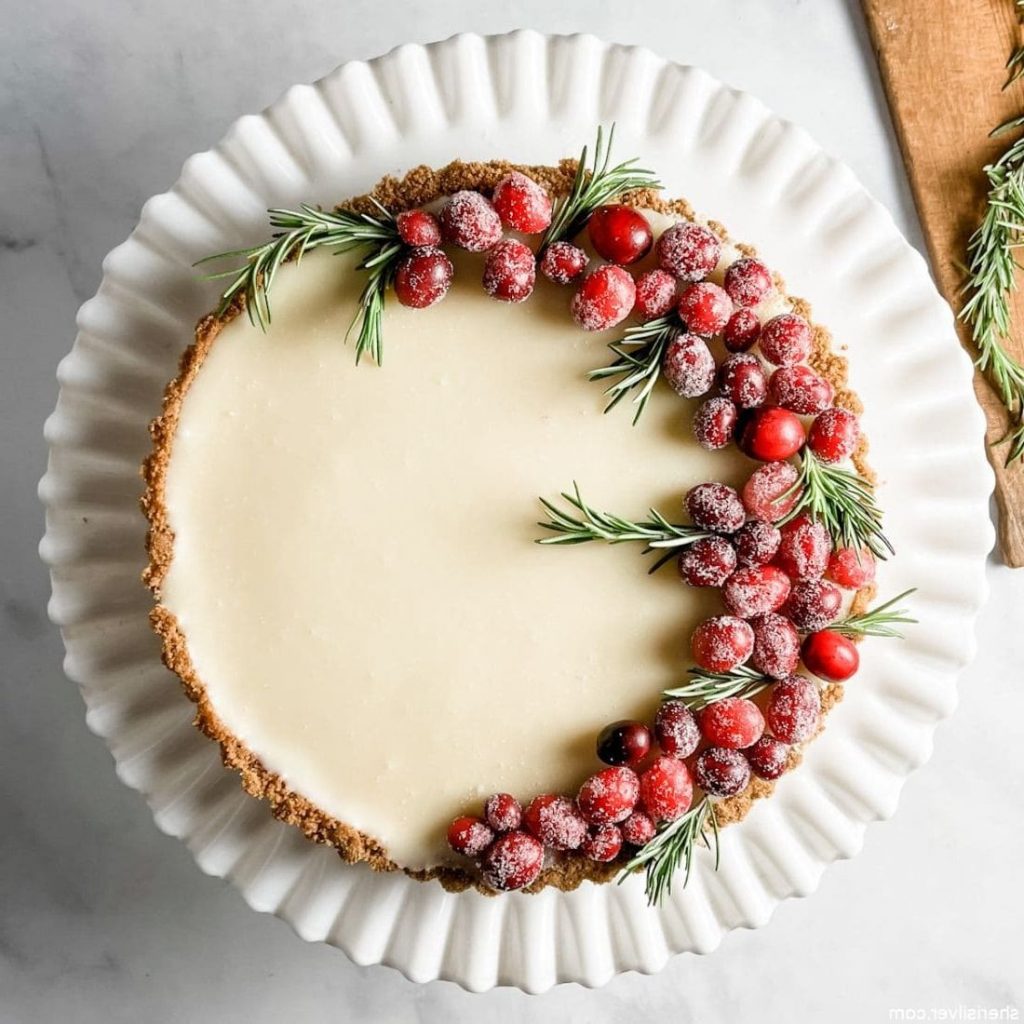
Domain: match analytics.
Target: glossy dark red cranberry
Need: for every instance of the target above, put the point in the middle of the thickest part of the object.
(741, 331)
(620, 234)
(772, 434)
(418, 228)
(423, 277)
(830, 656)
(624, 742)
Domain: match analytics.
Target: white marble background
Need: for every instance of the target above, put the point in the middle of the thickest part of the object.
(104, 919)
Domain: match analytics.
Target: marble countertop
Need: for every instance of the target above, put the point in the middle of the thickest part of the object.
(103, 918)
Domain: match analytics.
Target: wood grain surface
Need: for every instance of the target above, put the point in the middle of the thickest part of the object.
(942, 65)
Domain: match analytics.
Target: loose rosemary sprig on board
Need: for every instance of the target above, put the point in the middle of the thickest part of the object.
(880, 621)
(706, 687)
(300, 231)
(672, 847)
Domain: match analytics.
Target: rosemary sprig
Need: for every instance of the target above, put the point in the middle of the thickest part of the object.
(593, 187)
(880, 621)
(672, 847)
(300, 231)
(641, 367)
(843, 501)
(706, 687)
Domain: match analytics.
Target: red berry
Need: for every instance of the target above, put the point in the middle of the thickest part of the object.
(765, 494)
(742, 379)
(768, 757)
(756, 543)
(503, 812)
(666, 790)
(514, 860)
(638, 829)
(555, 821)
(708, 562)
(688, 366)
(714, 423)
(604, 299)
(715, 506)
(834, 435)
(423, 277)
(748, 281)
(469, 221)
(793, 709)
(510, 271)
(418, 228)
(813, 605)
(722, 772)
(733, 722)
(609, 796)
(772, 434)
(603, 844)
(804, 548)
(851, 568)
(655, 295)
(721, 643)
(469, 836)
(522, 204)
(776, 645)
(563, 262)
(676, 729)
(786, 339)
(704, 308)
(624, 743)
(830, 656)
(619, 233)
(755, 590)
(689, 251)
(799, 389)
(741, 331)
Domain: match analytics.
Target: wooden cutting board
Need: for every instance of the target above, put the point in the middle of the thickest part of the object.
(942, 64)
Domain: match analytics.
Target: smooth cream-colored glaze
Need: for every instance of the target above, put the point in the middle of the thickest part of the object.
(354, 563)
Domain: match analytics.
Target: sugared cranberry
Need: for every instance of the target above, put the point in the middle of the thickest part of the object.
(603, 844)
(666, 790)
(776, 645)
(793, 709)
(704, 308)
(714, 423)
(638, 829)
(715, 506)
(555, 821)
(510, 271)
(755, 590)
(469, 221)
(418, 228)
(748, 281)
(756, 543)
(609, 796)
(708, 562)
(604, 299)
(688, 366)
(766, 495)
(804, 548)
(851, 568)
(469, 836)
(722, 772)
(503, 812)
(772, 434)
(689, 251)
(786, 339)
(655, 295)
(741, 331)
(423, 277)
(834, 435)
(676, 729)
(830, 656)
(813, 604)
(768, 757)
(742, 379)
(624, 743)
(733, 722)
(513, 861)
(799, 389)
(619, 233)
(721, 643)
(522, 204)
(563, 262)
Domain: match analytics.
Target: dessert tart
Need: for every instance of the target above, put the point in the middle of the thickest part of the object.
(343, 536)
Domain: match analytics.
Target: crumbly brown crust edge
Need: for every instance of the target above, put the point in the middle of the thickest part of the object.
(418, 187)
